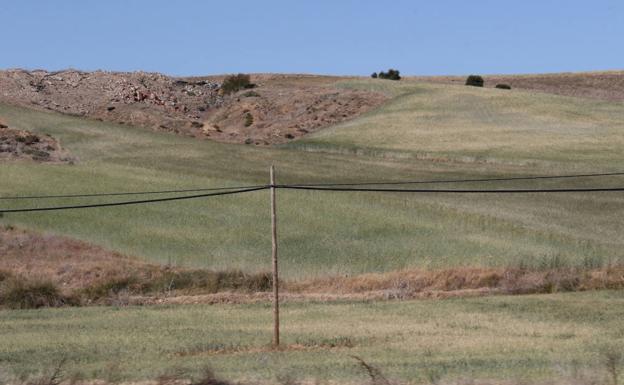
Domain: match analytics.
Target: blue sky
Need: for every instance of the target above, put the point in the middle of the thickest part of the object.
(186, 37)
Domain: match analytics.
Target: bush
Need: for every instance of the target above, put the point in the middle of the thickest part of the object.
(21, 294)
(248, 119)
(475, 81)
(374, 75)
(112, 287)
(235, 83)
(5, 275)
(503, 86)
(392, 74)
(251, 94)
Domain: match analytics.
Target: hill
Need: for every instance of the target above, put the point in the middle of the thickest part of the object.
(455, 123)
(278, 109)
(424, 131)
(608, 85)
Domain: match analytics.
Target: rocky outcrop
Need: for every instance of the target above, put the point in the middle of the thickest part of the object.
(279, 109)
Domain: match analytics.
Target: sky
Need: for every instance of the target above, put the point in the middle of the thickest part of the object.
(340, 37)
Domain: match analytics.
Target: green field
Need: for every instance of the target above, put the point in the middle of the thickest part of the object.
(522, 338)
(424, 132)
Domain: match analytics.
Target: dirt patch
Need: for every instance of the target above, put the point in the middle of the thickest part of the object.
(69, 263)
(593, 85)
(20, 144)
(279, 109)
(93, 275)
(96, 275)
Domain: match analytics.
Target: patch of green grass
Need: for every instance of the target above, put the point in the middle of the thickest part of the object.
(324, 233)
(467, 124)
(520, 337)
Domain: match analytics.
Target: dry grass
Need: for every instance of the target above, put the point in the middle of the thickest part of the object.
(53, 271)
(48, 271)
(594, 85)
(410, 283)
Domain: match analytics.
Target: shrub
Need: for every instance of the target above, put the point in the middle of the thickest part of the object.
(5, 275)
(374, 75)
(248, 119)
(112, 287)
(503, 86)
(475, 81)
(21, 294)
(392, 74)
(235, 83)
(251, 94)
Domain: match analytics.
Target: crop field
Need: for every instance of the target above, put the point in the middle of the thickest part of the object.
(426, 128)
(424, 132)
(525, 338)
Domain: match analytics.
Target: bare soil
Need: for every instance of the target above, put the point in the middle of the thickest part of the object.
(593, 85)
(21, 144)
(69, 263)
(278, 109)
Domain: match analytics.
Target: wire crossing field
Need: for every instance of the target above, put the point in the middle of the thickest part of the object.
(521, 337)
(424, 132)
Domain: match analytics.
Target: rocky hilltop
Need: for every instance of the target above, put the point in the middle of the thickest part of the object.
(280, 108)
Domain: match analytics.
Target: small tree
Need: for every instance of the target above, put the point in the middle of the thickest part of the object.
(392, 74)
(235, 83)
(374, 75)
(475, 81)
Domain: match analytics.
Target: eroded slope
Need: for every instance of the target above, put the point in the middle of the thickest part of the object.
(279, 109)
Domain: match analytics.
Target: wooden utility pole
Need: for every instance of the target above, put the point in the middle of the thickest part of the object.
(276, 335)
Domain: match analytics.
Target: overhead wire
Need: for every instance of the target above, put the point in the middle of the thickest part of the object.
(433, 181)
(93, 195)
(453, 191)
(340, 187)
(154, 192)
(126, 203)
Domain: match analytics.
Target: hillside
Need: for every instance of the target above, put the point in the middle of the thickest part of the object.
(455, 123)
(278, 109)
(607, 86)
(424, 131)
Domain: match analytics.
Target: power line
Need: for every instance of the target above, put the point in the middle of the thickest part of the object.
(126, 193)
(463, 180)
(453, 191)
(327, 187)
(126, 203)
(93, 195)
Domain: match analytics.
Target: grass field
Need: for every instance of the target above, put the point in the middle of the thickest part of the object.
(425, 132)
(528, 338)
(470, 124)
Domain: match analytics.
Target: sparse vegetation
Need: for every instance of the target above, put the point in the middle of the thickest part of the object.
(234, 83)
(16, 293)
(251, 94)
(475, 81)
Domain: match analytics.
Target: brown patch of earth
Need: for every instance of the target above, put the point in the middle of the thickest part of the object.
(593, 85)
(21, 144)
(69, 263)
(279, 109)
(75, 265)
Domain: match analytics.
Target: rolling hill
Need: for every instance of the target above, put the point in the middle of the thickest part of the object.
(423, 131)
